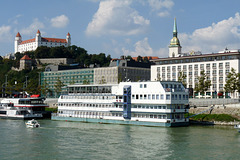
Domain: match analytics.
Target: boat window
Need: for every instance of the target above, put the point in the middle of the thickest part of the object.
(153, 96)
(162, 96)
(133, 96)
(168, 96)
(149, 96)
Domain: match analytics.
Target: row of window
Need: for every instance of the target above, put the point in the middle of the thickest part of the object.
(203, 59)
(68, 73)
(160, 96)
(196, 67)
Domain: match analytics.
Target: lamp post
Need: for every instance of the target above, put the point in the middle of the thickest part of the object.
(26, 80)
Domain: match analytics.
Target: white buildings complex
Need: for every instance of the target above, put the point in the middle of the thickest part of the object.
(216, 66)
(32, 44)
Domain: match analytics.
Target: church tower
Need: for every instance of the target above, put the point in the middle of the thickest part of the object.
(18, 40)
(174, 47)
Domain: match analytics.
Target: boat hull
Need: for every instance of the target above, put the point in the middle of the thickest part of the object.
(19, 117)
(125, 122)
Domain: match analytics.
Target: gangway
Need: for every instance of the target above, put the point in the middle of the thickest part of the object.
(209, 109)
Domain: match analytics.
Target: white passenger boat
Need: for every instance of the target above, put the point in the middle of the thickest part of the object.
(237, 126)
(32, 124)
(138, 103)
(22, 108)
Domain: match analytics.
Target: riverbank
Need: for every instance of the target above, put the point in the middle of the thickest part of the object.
(219, 115)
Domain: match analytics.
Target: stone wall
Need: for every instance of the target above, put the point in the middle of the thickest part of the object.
(230, 110)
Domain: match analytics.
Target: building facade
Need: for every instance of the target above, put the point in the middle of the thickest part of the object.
(32, 44)
(216, 66)
(74, 76)
(117, 74)
(102, 75)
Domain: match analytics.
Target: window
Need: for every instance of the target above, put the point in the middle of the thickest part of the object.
(141, 86)
(157, 96)
(149, 96)
(133, 96)
(168, 97)
(162, 96)
(145, 96)
(145, 85)
(180, 97)
(153, 96)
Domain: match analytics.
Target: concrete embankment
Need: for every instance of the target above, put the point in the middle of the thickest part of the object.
(232, 109)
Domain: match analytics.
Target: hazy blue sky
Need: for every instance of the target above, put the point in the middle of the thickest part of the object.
(119, 27)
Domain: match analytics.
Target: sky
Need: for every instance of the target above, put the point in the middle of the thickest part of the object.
(124, 27)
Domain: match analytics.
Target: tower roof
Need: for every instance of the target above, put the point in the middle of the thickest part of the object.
(38, 31)
(25, 57)
(175, 41)
(68, 34)
(18, 35)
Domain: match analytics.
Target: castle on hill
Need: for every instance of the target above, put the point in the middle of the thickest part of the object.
(32, 44)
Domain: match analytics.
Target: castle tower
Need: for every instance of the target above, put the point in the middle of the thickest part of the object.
(174, 47)
(18, 40)
(68, 38)
(25, 63)
(38, 38)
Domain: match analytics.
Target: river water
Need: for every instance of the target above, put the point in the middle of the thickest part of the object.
(60, 140)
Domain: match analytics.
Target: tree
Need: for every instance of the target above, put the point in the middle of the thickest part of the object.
(103, 80)
(139, 59)
(58, 86)
(73, 81)
(44, 88)
(158, 77)
(203, 84)
(182, 78)
(232, 83)
(86, 81)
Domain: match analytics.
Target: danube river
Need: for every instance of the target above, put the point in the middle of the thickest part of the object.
(60, 140)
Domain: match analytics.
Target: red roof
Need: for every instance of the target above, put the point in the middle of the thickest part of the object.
(68, 34)
(54, 40)
(28, 41)
(38, 31)
(18, 35)
(25, 58)
(57, 40)
(148, 57)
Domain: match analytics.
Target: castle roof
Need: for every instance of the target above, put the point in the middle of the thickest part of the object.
(25, 57)
(38, 31)
(18, 35)
(68, 34)
(43, 39)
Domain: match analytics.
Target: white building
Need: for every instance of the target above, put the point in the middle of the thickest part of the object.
(32, 44)
(216, 66)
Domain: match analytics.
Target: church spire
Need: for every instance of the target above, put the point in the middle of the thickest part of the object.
(174, 47)
(175, 28)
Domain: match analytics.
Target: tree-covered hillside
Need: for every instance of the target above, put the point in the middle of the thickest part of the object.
(12, 81)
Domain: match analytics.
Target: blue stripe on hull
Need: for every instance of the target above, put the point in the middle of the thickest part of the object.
(141, 123)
